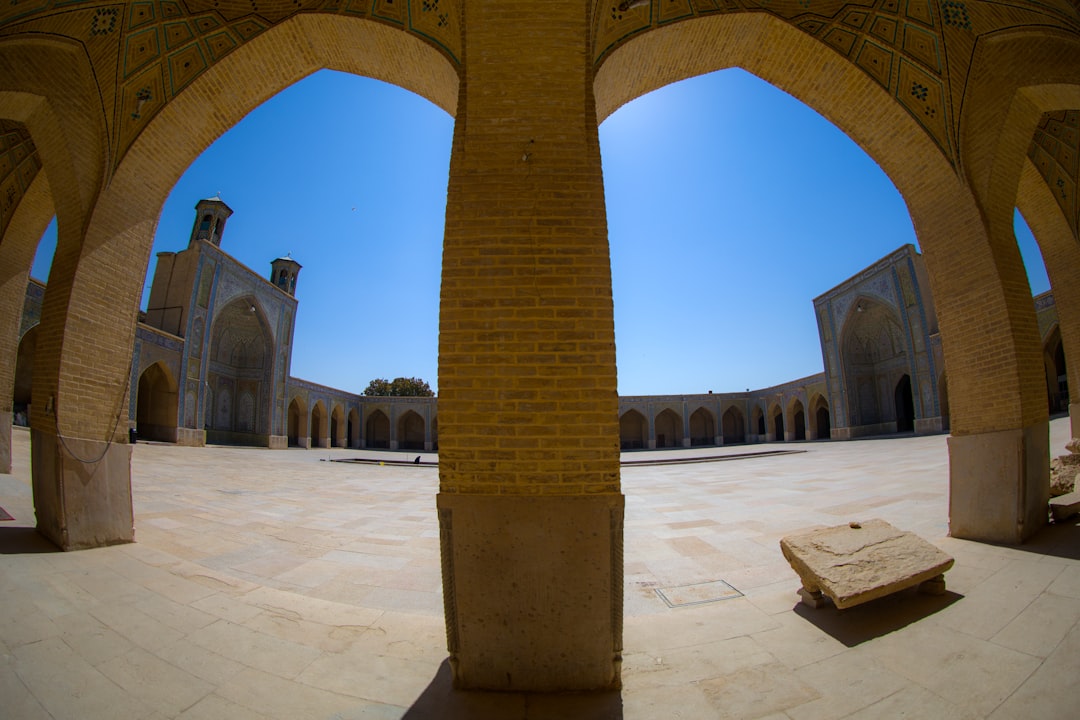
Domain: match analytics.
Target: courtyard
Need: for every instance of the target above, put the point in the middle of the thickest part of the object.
(282, 584)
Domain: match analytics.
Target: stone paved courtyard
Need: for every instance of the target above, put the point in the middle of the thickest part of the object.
(278, 584)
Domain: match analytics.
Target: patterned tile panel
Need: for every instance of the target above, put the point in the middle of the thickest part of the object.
(901, 44)
(1055, 151)
(19, 165)
(162, 46)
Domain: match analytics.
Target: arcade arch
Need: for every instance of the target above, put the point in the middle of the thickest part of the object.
(798, 419)
(633, 431)
(410, 431)
(354, 428)
(733, 426)
(298, 423)
(669, 430)
(820, 422)
(999, 406)
(156, 404)
(776, 423)
(377, 430)
(337, 426)
(873, 361)
(1057, 377)
(702, 428)
(240, 375)
(320, 425)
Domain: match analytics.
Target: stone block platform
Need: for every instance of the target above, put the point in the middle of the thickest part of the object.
(1065, 506)
(859, 562)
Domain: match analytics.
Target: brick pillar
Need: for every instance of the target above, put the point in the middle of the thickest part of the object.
(530, 507)
(999, 448)
(81, 459)
(1061, 255)
(17, 249)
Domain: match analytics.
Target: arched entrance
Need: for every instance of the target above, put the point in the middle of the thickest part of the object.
(377, 430)
(702, 428)
(822, 423)
(1057, 377)
(337, 427)
(733, 426)
(668, 426)
(239, 375)
(298, 423)
(319, 425)
(905, 405)
(873, 359)
(354, 428)
(798, 420)
(156, 404)
(24, 374)
(410, 435)
(633, 431)
(777, 415)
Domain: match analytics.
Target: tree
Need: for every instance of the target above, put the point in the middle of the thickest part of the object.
(400, 387)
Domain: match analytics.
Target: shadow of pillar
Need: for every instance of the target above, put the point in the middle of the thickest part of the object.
(440, 701)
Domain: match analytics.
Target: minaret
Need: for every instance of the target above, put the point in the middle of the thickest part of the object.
(210, 217)
(283, 273)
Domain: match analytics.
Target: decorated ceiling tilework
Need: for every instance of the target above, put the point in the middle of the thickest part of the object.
(899, 43)
(1055, 151)
(164, 45)
(19, 164)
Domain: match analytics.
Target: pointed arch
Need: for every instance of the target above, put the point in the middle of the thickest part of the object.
(776, 423)
(702, 428)
(354, 428)
(239, 374)
(410, 431)
(377, 430)
(873, 358)
(633, 431)
(820, 420)
(298, 423)
(320, 425)
(668, 429)
(733, 426)
(798, 419)
(156, 404)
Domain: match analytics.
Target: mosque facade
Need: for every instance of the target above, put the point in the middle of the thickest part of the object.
(213, 350)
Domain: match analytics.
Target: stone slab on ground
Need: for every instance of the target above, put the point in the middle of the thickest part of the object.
(859, 562)
(1065, 506)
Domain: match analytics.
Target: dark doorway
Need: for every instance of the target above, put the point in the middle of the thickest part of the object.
(824, 430)
(905, 406)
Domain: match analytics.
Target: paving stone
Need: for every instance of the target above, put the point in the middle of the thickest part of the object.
(368, 640)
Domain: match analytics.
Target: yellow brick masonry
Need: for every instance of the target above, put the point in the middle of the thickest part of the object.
(527, 384)
(17, 250)
(1061, 255)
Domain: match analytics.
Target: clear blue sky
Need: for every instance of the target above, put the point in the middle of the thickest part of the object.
(730, 207)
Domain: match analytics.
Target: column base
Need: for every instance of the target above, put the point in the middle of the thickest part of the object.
(279, 442)
(532, 588)
(81, 504)
(189, 437)
(1074, 419)
(999, 484)
(5, 441)
(928, 426)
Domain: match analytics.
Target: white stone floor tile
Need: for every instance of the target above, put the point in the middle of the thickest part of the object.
(274, 584)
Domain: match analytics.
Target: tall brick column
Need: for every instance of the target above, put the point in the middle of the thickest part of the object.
(530, 507)
(80, 454)
(1061, 255)
(999, 449)
(17, 248)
